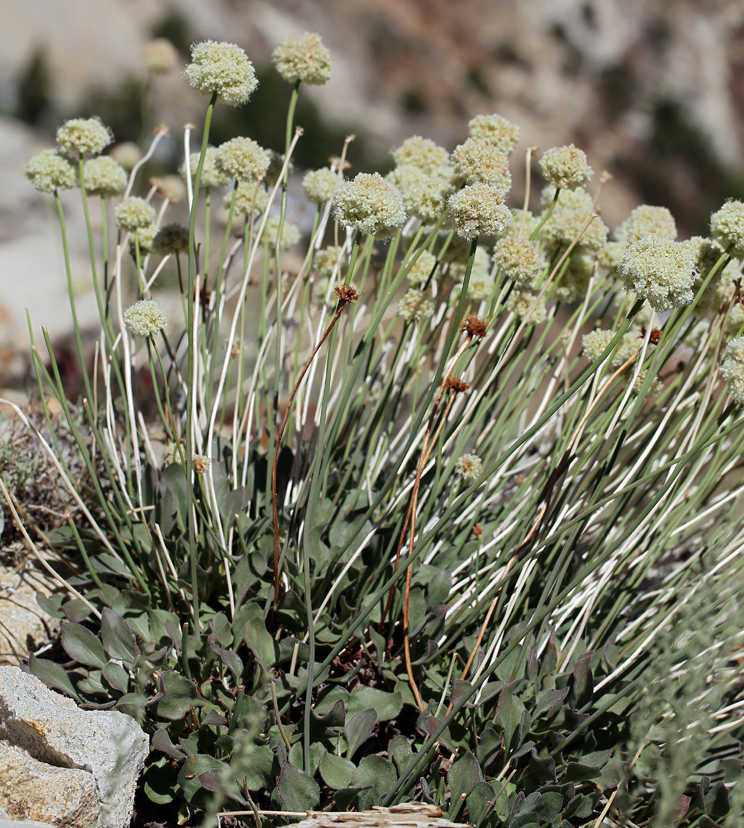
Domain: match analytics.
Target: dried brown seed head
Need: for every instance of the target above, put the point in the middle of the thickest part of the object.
(456, 385)
(346, 294)
(477, 530)
(474, 326)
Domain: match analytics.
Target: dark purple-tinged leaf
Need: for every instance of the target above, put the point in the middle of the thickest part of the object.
(192, 789)
(118, 638)
(80, 644)
(377, 772)
(579, 807)
(335, 717)
(717, 800)
(386, 705)
(261, 643)
(346, 796)
(583, 682)
(76, 610)
(358, 729)
(53, 675)
(214, 719)
(549, 806)
(258, 773)
(488, 747)
(176, 697)
(459, 689)
(336, 771)
(297, 790)
(400, 753)
(509, 712)
(462, 778)
(159, 780)
(116, 676)
(432, 724)
(232, 662)
(549, 702)
(161, 741)
(707, 822)
(478, 800)
(51, 605)
(541, 769)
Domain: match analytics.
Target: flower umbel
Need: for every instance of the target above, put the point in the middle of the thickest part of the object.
(727, 227)
(565, 167)
(223, 68)
(370, 205)
(104, 177)
(146, 317)
(133, 214)
(659, 270)
(86, 136)
(503, 134)
(303, 59)
(732, 369)
(50, 170)
(469, 467)
(478, 210)
(242, 159)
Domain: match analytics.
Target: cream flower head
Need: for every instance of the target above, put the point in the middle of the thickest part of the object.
(303, 59)
(146, 317)
(223, 68)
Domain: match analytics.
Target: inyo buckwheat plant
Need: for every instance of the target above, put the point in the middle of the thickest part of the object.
(446, 506)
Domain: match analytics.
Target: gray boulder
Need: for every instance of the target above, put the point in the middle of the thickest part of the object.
(106, 749)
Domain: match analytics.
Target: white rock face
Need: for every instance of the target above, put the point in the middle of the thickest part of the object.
(49, 729)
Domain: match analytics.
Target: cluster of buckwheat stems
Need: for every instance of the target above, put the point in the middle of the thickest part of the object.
(551, 416)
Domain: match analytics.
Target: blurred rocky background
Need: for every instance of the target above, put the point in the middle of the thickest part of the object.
(650, 89)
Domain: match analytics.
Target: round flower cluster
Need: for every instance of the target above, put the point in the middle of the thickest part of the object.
(415, 305)
(523, 225)
(171, 238)
(127, 154)
(481, 266)
(144, 239)
(104, 177)
(371, 205)
(578, 199)
(223, 68)
(656, 387)
(424, 196)
(479, 162)
(727, 227)
(610, 257)
(736, 319)
(330, 262)
(627, 347)
(86, 136)
(503, 134)
(659, 270)
(50, 170)
(478, 210)
(594, 343)
(290, 233)
(524, 305)
(211, 175)
(422, 153)
(303, 59)
(732, 369)
(172, 188)
(574, 281)
(705, 254)
(242, 159)
(319, 185)
(519, 261)
(422, 268)
(249, 199)
(643, 221)
(565, 167)
(566, 223)
(133, 214)
(469, 467)
(146, 317)
(160, 56)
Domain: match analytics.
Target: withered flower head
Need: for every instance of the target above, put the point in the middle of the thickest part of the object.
(346, 294)
(477, 530)
(474, 326)
(456, 384)
(654, 337)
